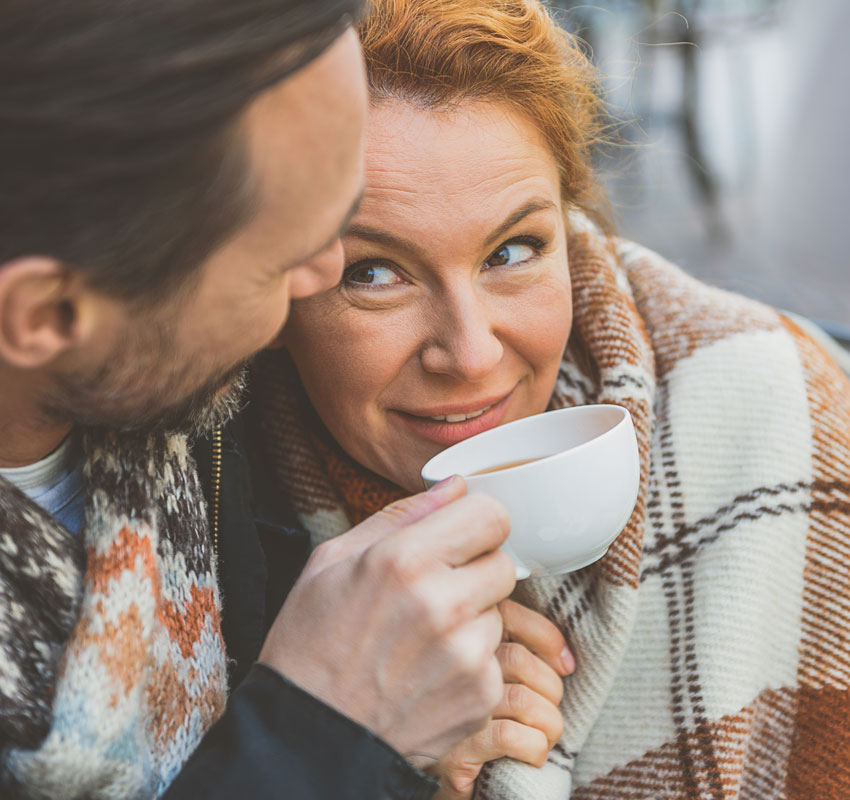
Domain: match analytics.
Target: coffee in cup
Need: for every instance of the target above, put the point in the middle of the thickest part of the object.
(509, 465)
(568, 478)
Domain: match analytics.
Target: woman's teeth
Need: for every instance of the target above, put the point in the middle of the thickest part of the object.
(460, 417)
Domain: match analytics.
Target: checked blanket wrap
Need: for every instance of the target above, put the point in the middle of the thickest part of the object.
(112, 664)
(712, 642)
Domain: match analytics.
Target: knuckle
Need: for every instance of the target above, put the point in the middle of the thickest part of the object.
(516, 697)
(491, 514)
(436, 619)
(468, 662)
(460, 776)
(484, 686)
(393, 563)
(404, 573)
(513, 657)
(504, 735)
(492, 685)
(401, 510)
(326, 553)
(494, 629)
(455, 611)
(431, 611)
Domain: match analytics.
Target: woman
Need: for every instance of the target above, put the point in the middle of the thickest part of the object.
(711, 641)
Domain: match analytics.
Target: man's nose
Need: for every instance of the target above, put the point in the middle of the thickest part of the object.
(321, 272)
(463, 341)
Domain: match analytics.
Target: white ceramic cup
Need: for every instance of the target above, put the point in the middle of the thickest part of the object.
(569, 504)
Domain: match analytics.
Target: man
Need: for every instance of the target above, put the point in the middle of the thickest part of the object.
(174, 173)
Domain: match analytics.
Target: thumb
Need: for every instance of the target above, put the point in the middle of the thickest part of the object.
(398, 515)
(458, 771)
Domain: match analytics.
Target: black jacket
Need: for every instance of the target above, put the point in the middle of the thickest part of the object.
(274, 739)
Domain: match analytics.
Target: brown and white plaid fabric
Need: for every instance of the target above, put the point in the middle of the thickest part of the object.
(712, 642)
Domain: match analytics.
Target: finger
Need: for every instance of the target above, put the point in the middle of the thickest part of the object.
(478, 585)
(521, 704)
(538, 634)
(475, 642)
(461, 531)
(396, 516)
(471, 650)
(503, 737)
(520, 665)
(459, 769)
(508, 737)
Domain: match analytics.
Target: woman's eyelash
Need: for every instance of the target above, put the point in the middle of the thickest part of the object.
(366, 263)
(537, 246)
(531, 241)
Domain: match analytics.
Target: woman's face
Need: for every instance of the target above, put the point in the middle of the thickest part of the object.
(454, 308)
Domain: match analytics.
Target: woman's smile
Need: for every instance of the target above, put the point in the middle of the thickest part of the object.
(449, 424)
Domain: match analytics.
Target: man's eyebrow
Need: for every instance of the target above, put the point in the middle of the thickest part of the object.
(383, 237)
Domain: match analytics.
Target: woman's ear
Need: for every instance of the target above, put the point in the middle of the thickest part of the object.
(38, 311)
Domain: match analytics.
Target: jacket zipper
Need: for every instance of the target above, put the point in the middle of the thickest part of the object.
(216, 487)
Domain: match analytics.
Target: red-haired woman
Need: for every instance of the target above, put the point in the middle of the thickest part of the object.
(482, 285)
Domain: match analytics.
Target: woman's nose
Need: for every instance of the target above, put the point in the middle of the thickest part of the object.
(463, 342)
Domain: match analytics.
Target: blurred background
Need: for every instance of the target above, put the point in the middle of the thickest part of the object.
(734, 159)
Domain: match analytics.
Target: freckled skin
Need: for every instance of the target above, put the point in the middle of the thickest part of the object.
(433, 310)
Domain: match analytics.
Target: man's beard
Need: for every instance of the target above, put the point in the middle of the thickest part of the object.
(136, 390)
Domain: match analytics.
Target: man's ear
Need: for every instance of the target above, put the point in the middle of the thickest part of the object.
(38, 311)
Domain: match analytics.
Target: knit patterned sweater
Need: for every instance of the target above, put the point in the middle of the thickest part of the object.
(712, 641)
(112, 664)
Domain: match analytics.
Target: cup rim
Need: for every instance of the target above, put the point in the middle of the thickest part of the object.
(625, 415)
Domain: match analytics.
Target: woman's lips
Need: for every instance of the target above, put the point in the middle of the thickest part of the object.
(446, 433)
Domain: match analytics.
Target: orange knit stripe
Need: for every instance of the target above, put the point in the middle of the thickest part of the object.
(363, 492)
(186, 625)
(128, 550)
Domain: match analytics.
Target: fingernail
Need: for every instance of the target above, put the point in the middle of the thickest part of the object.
(443, 484)
(567, 661)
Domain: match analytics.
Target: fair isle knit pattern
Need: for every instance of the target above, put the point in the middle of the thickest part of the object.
(712, 642)
(112, 664)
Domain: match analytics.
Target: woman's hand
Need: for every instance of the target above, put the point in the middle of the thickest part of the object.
(527, 723)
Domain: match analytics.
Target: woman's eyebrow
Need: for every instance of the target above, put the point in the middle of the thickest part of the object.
(384, 237)
(531, 207)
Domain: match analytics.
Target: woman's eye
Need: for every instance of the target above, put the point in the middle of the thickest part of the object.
(370, 275)
(510, 254)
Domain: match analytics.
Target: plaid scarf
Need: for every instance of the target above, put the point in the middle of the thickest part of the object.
(111, 660)
(713, 640)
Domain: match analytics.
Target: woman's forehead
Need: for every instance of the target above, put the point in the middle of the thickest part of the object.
(476, 160)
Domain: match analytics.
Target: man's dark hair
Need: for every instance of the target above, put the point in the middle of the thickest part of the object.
(117, 152)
